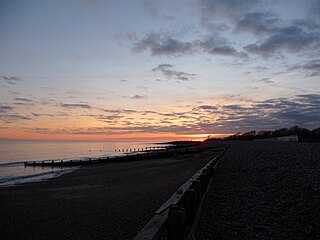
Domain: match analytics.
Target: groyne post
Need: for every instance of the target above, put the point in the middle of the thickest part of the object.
(204, 182)
(196, 186)
(175, 223)
(190, 205)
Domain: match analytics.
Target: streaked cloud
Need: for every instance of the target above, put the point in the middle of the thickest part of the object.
(219, 118)
(310, 69)
(5, 108)
(168, 71)
(75, 105)
(292, 38)
(162, 45)
(11, 80)
(11, 118)
(258, 23)
(138, 97)
(159, 44)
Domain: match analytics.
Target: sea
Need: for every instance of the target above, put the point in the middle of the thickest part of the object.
(13, 154)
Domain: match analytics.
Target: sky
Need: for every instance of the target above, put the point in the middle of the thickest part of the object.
(157, 70)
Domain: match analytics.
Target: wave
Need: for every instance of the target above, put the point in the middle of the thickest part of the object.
(34, 177)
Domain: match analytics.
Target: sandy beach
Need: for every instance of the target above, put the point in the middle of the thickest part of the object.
(106, 201)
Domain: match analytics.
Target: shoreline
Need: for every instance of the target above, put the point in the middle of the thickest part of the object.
(37, 167)
(93, 202)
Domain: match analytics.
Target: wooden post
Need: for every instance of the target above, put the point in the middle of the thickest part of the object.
(210, 170)
(207, 171)
(196, 186)
(204, 182)
(190, 205)
(175, 223)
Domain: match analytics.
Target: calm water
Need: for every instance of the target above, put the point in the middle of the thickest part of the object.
(13, 154)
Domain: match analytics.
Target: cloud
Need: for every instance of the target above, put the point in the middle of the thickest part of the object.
(75, 105)
(271, 113)
(11, 80)
(162, 45)
(311, 68)
(294, 38)
(220, 46)
(23, 99)
(4, 108)
(127, 111)
(206, 107)
(9, 118)
(258, 22)
(274, 35)
(43, 114)
(110, 118)
(168, 71)
(225, 8)
(138, 97)
(309, 99)
(267, 80)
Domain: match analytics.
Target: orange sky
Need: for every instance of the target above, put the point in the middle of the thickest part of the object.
(143, 137)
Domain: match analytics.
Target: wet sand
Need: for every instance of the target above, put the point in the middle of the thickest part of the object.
(264, 190)
(106, 201)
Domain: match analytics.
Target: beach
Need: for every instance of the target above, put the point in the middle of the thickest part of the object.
(109, 201)
(264, 190)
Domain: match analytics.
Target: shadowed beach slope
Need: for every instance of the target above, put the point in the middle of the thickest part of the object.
(264, 190)
(107, 201)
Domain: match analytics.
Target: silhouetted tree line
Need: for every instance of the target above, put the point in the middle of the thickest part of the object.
(304, 135)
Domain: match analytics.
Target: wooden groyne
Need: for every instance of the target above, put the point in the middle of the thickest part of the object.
(128, 155)
(178, 217)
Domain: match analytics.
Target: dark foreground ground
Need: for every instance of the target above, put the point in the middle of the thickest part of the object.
(110, 201)
(264, 190)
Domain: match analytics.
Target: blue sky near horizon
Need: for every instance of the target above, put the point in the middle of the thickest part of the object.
(99, 69)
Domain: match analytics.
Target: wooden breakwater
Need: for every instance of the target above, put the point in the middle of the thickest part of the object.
(177, 218)
(128, 155)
